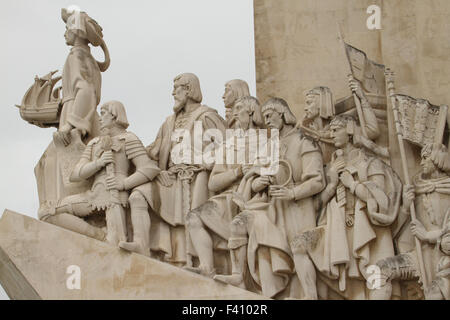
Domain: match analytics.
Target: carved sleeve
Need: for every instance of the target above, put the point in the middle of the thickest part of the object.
(85, 167)
(312, 177)
(146, 169)
(153, 149)
(223, 176)
(372, 128)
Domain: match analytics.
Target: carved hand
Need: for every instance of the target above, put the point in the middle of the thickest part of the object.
(356, 87)
(333, 177)
(282, 194)
(246, 168)
(418, 230)
(260, 183)
(408, 195)
(338, 165)
(347, 179)
(114, 183)
(107, 157)
(164, 178)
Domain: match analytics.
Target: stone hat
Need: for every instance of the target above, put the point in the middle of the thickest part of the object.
(83, 26)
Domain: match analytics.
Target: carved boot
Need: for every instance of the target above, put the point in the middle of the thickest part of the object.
(238, 265)
(202, 243)
(64, 217)
(141, 226)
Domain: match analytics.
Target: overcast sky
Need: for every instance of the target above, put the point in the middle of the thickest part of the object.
(150, 42)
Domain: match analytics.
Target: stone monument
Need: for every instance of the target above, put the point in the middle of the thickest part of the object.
(275, 201)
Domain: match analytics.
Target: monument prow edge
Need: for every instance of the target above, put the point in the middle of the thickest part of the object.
(39, 260)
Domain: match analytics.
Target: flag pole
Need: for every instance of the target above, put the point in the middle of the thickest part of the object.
(362, 121)
(390, 85)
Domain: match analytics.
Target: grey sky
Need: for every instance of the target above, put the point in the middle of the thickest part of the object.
(150, 43)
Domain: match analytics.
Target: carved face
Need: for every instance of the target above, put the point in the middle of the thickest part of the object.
(428, 166)
(228, 97)
(241, 116)
(273, 119)
(107, 120)
(340, 136)
(180, 95)
(312, 107)
(70, 37)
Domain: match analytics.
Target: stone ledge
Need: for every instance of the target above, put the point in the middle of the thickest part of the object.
(34, 257)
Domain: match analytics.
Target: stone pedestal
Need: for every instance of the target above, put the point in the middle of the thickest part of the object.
(34, 257)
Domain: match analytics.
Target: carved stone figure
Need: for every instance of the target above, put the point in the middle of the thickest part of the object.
(234, 90)
(360, 203)
(209, 224)
(81, 78)
(281, 209)
(77, 116)
(430, 193)
(182, 184)
(106, 162)
(319, 111)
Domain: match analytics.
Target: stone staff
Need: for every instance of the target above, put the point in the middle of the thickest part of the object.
(390, 85)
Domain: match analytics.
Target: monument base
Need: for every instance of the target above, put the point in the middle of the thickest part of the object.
(41, 261)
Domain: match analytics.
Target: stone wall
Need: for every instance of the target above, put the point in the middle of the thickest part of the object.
(297, 47)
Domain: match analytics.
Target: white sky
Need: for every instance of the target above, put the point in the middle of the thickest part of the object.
(150, 42)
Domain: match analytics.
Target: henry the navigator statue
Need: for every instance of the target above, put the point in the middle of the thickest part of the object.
(78, 120)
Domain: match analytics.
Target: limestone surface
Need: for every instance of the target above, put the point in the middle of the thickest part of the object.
(35, 257)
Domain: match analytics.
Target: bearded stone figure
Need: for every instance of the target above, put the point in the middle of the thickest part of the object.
(209, 224)
(275, 208)
(182, 184)
(234, 90)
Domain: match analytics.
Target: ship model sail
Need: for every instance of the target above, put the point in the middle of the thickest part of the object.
(41, 104)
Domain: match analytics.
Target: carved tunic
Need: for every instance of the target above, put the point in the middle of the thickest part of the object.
(168, 203)
(278, 225)
(81, 83)
(351, 236)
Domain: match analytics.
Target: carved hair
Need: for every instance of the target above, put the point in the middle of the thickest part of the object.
(441, 153)
(117, 109)
(254, 109)
(190, 80)
(239, 88)
(345, 121)
(280, 105)
(326, 107)
(87, 28)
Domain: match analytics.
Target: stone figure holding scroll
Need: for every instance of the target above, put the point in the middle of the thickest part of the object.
(106, 162)
(182, 184)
